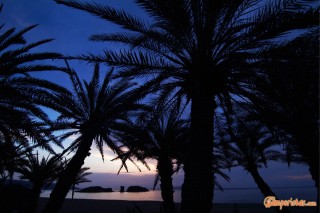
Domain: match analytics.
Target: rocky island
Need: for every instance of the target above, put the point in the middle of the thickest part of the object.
(95, 189)
(137, 189)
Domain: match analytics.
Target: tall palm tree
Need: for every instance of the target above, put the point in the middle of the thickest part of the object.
(159, 135)
(162, 135)
(206, 50)
(294, 77)
(41, 173)
(81, 178)
(91, 111)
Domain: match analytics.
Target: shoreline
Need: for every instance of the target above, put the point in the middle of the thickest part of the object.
(124, 206)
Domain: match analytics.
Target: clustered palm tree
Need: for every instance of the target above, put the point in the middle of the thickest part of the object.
(222, 59)
(23, 123)
(208, 51)
(160, 136)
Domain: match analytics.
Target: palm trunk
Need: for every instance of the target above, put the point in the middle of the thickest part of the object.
(311, 154)
(313, 163)
(32, 201)
(67, 177)
(165, 170)
(264, 188)
(73, 188)
(197, 189)
(307, 141)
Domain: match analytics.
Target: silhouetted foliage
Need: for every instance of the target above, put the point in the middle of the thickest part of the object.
(91, 112)
(12, 196)
(293, 88)
(11, 156)
(23, 123)
(208, 51)
(158, 135)
(41, 173)
(81, 178)
(249, 144)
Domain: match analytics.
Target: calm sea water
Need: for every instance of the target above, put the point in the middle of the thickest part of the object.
(227, 196)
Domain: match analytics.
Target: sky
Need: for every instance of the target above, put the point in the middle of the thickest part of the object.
(71, 28)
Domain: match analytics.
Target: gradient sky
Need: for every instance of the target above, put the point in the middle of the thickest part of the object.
(71, 28)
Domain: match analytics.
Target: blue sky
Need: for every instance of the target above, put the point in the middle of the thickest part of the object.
(71, 28)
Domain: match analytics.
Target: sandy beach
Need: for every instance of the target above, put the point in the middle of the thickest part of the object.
(119, 206)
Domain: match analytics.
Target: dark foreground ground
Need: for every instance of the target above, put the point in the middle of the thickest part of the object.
(119, 206)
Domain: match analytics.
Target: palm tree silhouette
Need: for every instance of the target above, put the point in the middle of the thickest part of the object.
(81, 178)
(91, 112)
(253, 145)
(296, 96)
(41, 173)
(157, 135)
(162, 135)
(12, 152)
(21, 117)
(294, 77)
(206, 50)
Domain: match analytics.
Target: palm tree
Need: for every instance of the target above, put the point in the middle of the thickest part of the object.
(295, 97)
(162, 135)
(206, 50)
(253, 145)
(12, 151)
(159, 135)
(41, 173)
(91, 111)
(81, 178)
(294, 78)
(21, 110)
(22, 95)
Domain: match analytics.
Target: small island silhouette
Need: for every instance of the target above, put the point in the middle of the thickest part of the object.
(137, 189)
(97, 189)
(93, 189)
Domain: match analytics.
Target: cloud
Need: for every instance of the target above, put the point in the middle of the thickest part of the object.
(95, 162)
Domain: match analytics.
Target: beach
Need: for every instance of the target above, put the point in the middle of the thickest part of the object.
(121, 206)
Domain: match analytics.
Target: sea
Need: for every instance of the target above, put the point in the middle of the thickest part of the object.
(228, 195)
